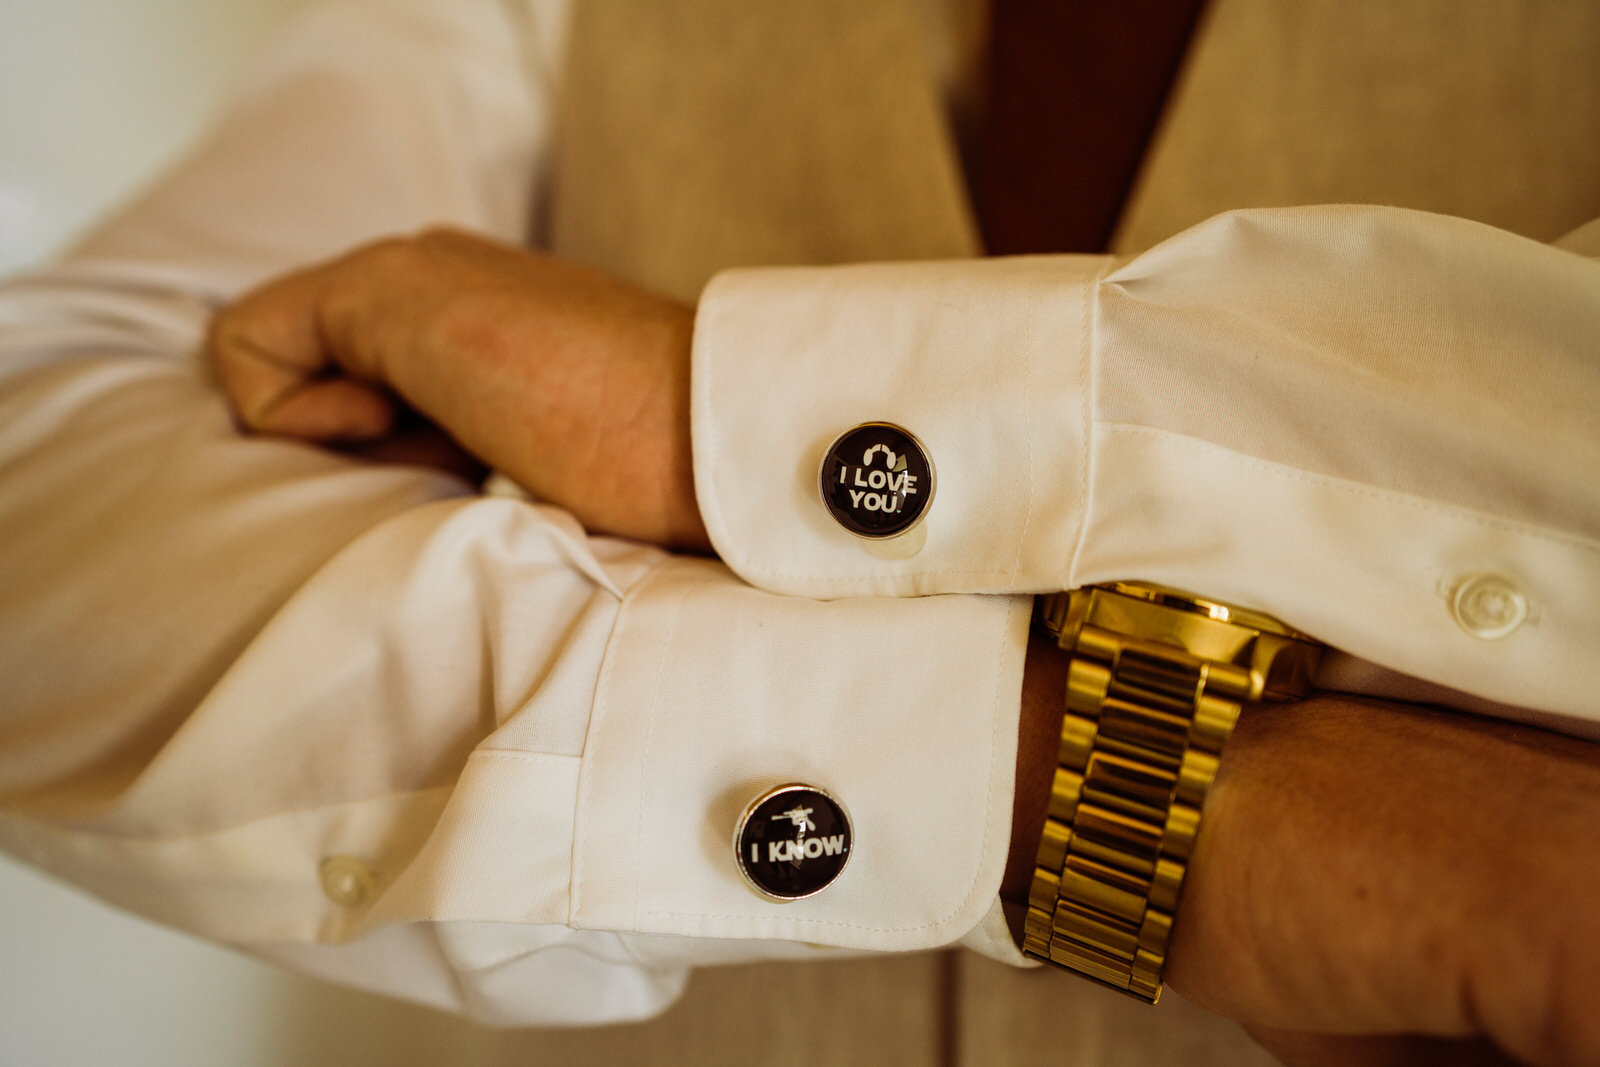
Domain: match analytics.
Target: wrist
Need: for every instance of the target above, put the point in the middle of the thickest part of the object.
(1044, 679)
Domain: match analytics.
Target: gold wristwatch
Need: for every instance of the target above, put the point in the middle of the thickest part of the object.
(1154, 687)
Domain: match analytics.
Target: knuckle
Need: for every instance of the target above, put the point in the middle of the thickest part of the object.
(444, 236)
(392, 252)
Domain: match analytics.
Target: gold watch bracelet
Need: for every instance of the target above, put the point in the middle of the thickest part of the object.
(1147, 714)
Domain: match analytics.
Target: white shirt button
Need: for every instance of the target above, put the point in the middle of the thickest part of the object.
(347, 881)
(1488, 605)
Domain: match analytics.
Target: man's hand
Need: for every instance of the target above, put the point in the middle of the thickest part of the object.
(573, 384)
(1368, 869)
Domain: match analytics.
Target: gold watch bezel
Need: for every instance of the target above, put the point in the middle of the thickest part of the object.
(1281, 657)
(1219, 610)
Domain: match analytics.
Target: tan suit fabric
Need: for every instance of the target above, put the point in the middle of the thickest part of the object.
(1486, 109)
(703, 134)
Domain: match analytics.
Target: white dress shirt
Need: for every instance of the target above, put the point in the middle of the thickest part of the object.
(371, 723)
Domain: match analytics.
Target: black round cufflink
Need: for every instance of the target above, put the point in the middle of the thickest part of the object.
(791, 842)
(877, 480)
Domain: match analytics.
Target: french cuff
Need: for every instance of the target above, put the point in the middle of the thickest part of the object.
(903, 710)
(986, 363)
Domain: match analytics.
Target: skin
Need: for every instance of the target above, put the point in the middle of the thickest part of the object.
(1374, 883)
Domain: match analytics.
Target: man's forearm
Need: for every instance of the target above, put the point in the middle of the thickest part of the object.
(1044, 680)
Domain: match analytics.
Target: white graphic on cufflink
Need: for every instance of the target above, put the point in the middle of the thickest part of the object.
(888, 454)
(801, 817)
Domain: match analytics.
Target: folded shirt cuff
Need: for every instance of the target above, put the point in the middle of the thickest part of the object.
(905, 710)
(915, 345)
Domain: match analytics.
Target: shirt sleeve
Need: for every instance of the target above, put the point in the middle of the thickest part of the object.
(1379, 425)
(366, 721)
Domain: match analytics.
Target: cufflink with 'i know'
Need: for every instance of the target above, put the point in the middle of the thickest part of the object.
(791, 842)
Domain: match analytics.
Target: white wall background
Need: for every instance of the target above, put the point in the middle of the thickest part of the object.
(96, 95)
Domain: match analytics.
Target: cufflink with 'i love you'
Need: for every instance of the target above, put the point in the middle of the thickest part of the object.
(877, 482)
